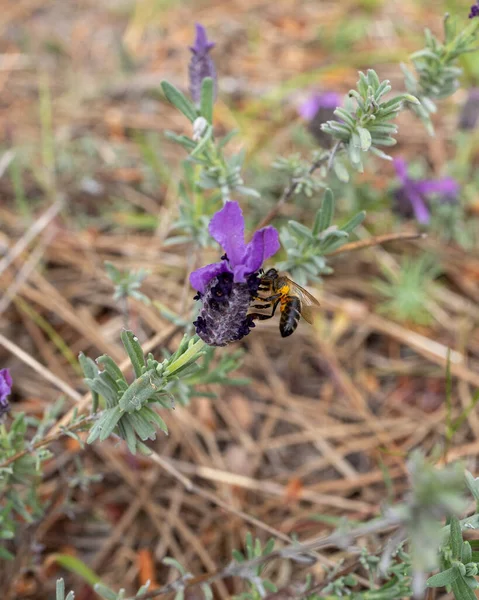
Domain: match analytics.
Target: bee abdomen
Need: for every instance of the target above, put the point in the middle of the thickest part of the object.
(290, 316)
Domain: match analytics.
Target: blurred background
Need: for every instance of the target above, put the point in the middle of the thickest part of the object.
(306, 430)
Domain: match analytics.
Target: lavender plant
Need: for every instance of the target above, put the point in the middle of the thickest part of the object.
(428, 519)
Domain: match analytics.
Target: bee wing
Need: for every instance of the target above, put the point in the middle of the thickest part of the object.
(309, 304)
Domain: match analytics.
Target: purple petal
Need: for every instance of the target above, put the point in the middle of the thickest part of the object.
(401, 169)
(420, 208)
(309, 107)
(264, 244)
(447, 186)
(227, 228)
(201, 45)
(329, 100)
(200, 278)
(5, 389)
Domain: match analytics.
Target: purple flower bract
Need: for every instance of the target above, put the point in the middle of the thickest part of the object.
(474, 11)
(411, 197)
(5, 389)
(226, 288)
(201, 65)
(311, 106)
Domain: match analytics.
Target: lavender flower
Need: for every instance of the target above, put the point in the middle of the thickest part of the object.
(411, 197)
(470, 111)
(474, 10)
(318, 109)
(226, 288)
(315, 102)
(5, 389)
(201, 64)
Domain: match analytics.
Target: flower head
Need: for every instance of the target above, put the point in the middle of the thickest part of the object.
(469, 116)
(318, 109)
(201, 65)
(411, 197)
(226, 288)
(474, 10)
(311, 106)
(5, 389)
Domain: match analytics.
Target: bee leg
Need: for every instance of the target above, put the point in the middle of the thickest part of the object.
(268, 305)
(272, 298)
(259, 316)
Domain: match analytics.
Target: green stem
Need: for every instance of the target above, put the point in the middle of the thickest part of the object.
(186, 357)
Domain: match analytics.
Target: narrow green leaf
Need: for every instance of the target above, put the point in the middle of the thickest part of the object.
(5, 554)
(300, 229)
(179, 100)
(172, 562)
(183, 140)
(207, 99)
(354, 222)
(456, 537)
(88, 366)
(140, 391)
(106, 422)
(466, 553)
(143, 428)
(90, 370)
(461, 590)
(111, 367)
(205, 139)
(60, 589)
(105, 592)
(354, 154)
(99, 386)
(444, 578)
(373, 79)
(78, 567)
(365, 138)
(327, 210)
(134, 351)
(127, 433)
(341, 171)
(154, 418)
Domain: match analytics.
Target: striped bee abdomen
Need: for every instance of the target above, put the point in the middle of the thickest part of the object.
(290, 315)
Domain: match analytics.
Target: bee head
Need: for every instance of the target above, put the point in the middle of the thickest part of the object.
(271, 273)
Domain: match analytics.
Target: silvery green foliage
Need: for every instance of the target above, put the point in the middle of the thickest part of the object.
(185, 388)
(130, 407)
(105, 592)
(258, 586)
(127, 283)
(459, 565)
(216, 171)
(435, 495)
(436, 68)
(18, 480)
(195, 210)
(307, 248)
(299, 172)
(60, 591)
(366, 119)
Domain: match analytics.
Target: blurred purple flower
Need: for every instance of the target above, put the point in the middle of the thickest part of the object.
(201, 65)
(226, 288)
(318, 109)
(474, 10)
(470, 111)
(5, 389)
(311, 106)
(411, 197)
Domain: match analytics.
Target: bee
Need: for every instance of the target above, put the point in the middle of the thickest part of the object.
(294, 301)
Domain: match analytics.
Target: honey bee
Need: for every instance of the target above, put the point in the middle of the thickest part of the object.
(294, 301)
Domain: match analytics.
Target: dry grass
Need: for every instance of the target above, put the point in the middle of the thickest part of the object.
(329, 411)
